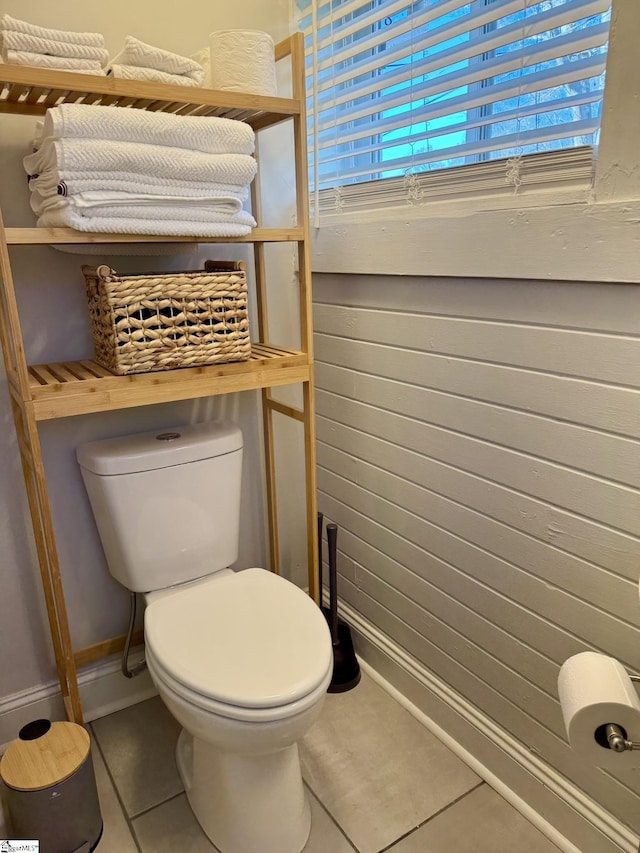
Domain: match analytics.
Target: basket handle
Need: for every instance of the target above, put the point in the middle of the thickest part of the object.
(103, 272)
(225, 266)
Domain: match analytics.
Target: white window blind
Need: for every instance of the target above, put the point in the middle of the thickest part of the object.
(398, 89)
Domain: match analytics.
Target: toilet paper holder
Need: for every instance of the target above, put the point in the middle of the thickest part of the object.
(617, 738)
(615, 735)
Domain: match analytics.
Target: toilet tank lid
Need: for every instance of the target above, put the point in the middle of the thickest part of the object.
(159, 448)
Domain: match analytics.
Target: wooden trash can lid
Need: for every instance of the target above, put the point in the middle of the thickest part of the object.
(45, 754)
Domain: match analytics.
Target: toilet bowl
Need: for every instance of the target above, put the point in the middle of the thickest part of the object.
(242, 659)
(241, 662)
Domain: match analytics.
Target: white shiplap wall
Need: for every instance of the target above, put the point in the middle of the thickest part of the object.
(478, 448)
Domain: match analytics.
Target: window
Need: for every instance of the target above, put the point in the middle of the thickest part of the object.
(425, 97)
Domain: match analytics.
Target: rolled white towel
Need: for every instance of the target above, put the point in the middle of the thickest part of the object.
(51, 47)
(82, 157)
(131, 72)
(58, 63)
(203, 58)
(59, 182)
(9, 24)
(136, 52)
(170, 226)
(209, 134)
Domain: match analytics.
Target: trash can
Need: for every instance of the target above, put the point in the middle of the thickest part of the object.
(51, 790)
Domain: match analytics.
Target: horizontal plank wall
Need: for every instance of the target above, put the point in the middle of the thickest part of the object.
(478, 448)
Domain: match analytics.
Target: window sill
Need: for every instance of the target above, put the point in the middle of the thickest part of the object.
(549, 236)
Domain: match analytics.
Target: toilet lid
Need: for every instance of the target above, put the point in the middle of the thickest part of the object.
(250, 639)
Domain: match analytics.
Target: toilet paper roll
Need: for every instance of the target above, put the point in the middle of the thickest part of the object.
(243, 61)
(594, 691)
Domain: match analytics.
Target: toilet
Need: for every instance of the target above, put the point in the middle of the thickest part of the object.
(242, 659)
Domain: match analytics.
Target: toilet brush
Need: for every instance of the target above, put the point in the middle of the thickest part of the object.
(346, 669)
(322, 607)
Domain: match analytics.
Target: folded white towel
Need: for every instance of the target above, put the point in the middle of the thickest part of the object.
(59, 63)
(209, 134)
(184, 250)
(9, 24)
(90, 200)
(84, 156)
(67, 218)
(194, 213)
(143, 55)
(131, 72)
(59, 182)
(203, 58)
(95, 203)
(51, 47)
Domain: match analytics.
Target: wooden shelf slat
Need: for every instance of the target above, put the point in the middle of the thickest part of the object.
(75, 388)
(51, 236)
(31, 91)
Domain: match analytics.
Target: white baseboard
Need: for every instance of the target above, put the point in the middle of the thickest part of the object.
(566, 815)
(103, 690)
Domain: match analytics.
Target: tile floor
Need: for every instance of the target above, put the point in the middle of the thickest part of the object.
(377, 781)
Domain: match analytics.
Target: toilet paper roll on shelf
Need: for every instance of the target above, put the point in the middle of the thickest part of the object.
(595, 692)
(243, 61)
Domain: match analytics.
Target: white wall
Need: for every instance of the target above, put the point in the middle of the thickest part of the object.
(478, 437)
(478, 446)
(53, 310)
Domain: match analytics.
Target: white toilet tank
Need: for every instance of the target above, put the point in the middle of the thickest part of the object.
(166, 503)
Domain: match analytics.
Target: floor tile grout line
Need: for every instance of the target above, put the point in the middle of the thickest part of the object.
(214, 849)
(157, 805)
(128, 820)
(131, 820)
(431, 817)
(331, 818)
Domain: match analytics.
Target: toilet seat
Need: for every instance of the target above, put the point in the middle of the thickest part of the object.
(247, 645)
(234, 712)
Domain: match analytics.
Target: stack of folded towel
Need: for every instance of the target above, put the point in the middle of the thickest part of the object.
(22, 43)
(140, 61)
(116, 170)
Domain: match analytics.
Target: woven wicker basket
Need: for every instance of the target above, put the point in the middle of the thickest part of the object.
(149, 322)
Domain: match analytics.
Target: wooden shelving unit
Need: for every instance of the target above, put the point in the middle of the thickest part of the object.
(43, 391)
